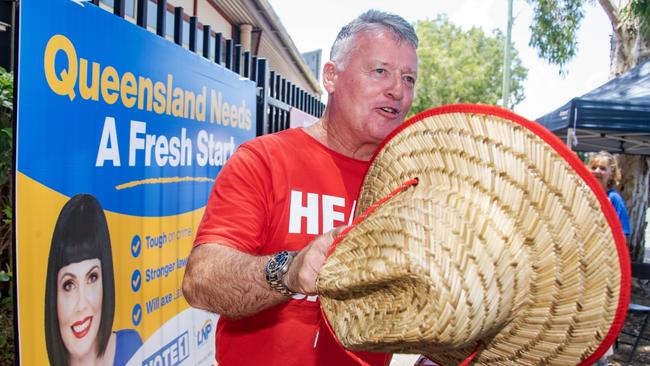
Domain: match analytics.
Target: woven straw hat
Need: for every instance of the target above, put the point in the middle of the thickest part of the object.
(507, 245)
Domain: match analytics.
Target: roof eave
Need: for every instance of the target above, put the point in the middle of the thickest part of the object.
(263, 13)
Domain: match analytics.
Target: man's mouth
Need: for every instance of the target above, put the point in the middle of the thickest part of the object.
(389, 110)
(81, 328)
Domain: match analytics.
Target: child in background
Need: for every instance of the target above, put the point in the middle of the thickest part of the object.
(605, 168)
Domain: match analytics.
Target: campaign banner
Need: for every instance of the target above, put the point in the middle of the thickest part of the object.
(120, 135)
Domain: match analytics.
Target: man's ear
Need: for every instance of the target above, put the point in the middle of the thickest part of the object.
(330, 76)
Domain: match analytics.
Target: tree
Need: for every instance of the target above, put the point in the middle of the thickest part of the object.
(457, 66)
(554, 30)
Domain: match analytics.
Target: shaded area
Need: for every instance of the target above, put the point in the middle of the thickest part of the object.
(633, 323)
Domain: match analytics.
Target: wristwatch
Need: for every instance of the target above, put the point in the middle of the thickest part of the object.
(275, 270)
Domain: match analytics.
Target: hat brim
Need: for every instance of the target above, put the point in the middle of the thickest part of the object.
(571, 301)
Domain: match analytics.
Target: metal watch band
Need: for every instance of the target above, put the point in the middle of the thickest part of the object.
(275, 270)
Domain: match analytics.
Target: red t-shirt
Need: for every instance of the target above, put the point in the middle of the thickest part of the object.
(278, 192)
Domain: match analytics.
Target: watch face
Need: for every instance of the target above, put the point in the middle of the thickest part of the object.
(277, 262)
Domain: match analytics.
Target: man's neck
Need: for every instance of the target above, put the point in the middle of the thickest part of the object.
(328, 133)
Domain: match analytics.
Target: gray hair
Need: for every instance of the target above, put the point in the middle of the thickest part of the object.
(371, 20)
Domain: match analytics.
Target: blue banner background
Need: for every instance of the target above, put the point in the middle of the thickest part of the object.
(58, 139)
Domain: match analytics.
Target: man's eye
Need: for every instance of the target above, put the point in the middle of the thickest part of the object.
(380, 71)
(409, 79)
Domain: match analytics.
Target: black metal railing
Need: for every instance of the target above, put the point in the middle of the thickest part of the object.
(275, 94)
(284, 95)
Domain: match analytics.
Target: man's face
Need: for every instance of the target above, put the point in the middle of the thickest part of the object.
(373, 90)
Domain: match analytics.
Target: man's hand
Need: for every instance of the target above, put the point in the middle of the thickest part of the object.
(226, 281)
(305, 267)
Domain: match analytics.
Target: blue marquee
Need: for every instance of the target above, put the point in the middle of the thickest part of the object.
(613, 117)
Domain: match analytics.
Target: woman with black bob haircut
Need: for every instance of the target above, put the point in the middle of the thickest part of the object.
(80, 291)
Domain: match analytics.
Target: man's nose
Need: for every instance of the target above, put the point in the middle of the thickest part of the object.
(396, 88)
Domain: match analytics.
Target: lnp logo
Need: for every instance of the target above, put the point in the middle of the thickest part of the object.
(204, 333)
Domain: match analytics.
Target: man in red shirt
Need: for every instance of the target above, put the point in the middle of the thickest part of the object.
(282, 199)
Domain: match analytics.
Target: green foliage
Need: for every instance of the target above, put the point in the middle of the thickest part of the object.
(640, 9)
(6, 171)
(554, 28)
(6, 95)
(6, 331)
(457, 66)
(556, 23)
(6, 318)
(6, 161)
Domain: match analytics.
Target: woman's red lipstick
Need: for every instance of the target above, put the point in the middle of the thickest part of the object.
(82, 327)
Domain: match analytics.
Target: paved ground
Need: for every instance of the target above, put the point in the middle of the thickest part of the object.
(633, 323)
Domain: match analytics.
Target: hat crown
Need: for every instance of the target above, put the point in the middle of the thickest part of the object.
(433, 266)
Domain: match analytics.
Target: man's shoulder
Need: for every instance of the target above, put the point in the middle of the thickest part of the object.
(279, 141)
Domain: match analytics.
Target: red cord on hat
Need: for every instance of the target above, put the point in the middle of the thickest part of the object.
(469, 358)
(371, 209)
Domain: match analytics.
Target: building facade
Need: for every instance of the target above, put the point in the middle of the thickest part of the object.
(252, 24)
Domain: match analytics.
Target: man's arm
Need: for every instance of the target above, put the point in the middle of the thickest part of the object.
(224, 280)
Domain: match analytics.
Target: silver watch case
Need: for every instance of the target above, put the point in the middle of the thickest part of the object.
(275, 270)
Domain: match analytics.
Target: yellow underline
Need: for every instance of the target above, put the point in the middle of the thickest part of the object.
(164, 180)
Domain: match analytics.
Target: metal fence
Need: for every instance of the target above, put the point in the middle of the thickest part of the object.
(275, 94)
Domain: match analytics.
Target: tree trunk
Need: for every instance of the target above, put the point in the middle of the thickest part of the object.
(624, 43)
(628, 45)
(629, 48)
(634, 189)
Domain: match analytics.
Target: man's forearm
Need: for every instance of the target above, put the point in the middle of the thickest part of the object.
(226, 281)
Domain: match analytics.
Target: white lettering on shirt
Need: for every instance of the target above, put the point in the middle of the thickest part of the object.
(329, 208)
(310, 298)
(298, 211)
(329, 215)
